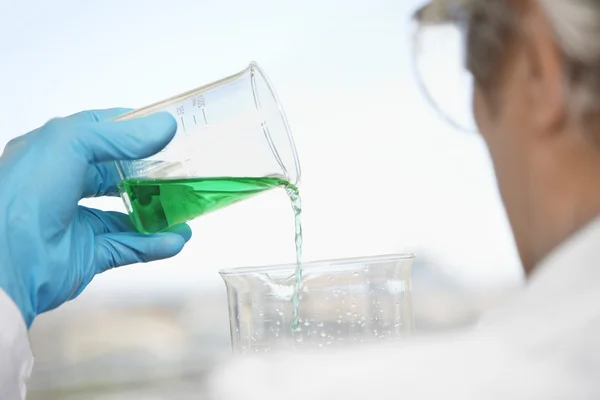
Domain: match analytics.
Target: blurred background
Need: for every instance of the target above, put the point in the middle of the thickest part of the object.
(381, 173)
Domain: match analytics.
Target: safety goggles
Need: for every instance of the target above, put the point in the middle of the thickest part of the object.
(440, 60)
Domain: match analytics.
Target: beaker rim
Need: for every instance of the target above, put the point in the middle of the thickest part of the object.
(255, 68)
(311, 265)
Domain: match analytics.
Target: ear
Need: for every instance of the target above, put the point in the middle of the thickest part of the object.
(544, 69)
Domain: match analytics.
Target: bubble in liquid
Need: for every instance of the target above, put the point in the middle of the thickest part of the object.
(348, 313)
(323, 334)
(320, 324)
(299, 339)
(306, 323)
(355, 273)
(253, 304)
(281, 313)
(339, 321)
(278, 323)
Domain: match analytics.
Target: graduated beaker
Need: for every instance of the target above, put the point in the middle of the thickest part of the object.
(232, 142)
(342, 302)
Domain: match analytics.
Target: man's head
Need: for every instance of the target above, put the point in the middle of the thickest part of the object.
(536, 67)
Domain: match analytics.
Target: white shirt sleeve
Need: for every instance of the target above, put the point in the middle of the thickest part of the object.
(16, 359)
(460, 367)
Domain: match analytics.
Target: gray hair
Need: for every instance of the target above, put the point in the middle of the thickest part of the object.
(576, 26)
(491, 24)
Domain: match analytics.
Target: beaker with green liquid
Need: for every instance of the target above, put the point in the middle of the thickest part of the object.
(232, 142)
(341, 302)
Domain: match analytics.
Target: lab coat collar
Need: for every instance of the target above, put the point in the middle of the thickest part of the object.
(572, 267)
(562, 295)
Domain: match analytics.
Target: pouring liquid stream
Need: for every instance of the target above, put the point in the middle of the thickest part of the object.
(157, 204)
(296, 201)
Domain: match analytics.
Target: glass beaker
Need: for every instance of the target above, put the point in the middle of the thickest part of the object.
(342, 302)
(232, 142)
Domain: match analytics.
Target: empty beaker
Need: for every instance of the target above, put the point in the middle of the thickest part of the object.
(232, 142)
(342, 302)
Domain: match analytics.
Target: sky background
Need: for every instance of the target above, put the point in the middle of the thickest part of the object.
(382, 173)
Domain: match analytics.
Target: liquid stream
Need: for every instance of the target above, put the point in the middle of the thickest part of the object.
(157, 204)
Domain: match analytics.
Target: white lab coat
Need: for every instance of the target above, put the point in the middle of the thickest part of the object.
(545, 344)
(16, 360)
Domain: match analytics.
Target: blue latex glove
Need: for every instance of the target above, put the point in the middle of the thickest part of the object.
(50, 247)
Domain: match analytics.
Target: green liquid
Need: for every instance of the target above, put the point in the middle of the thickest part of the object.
(157, 204)
(160, 203)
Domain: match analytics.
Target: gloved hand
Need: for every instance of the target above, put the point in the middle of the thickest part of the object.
(50, 247)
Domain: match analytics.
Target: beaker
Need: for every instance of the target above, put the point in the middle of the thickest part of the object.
(342, 302)
(232, 142)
